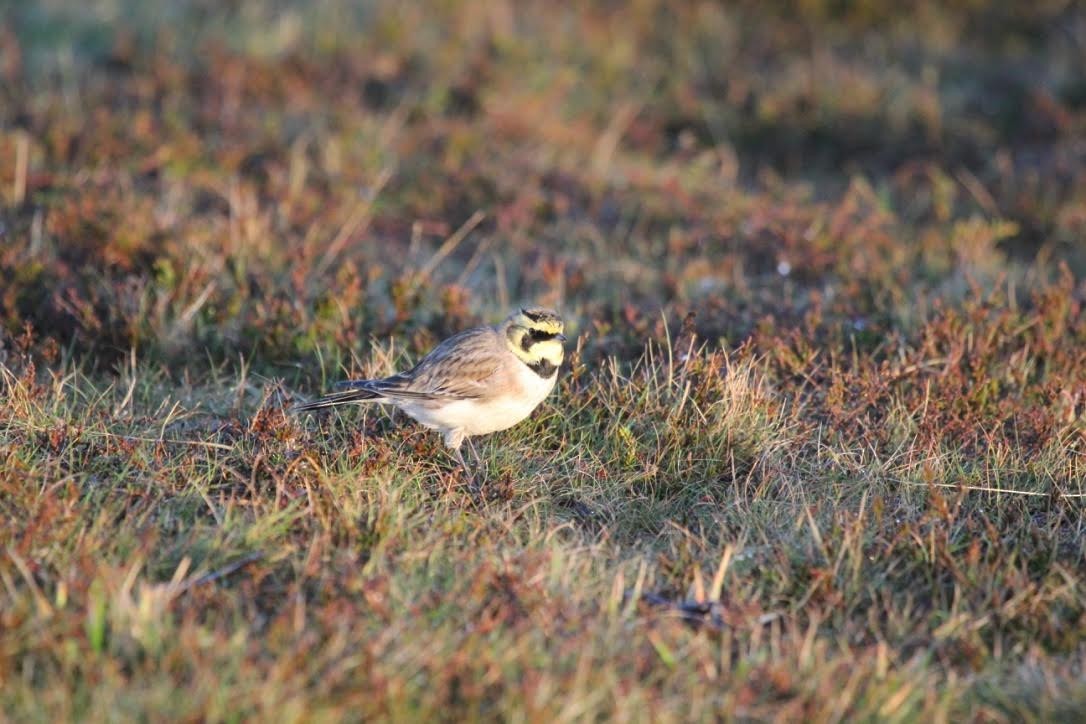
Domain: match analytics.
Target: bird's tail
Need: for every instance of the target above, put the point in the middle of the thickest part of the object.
(357, 391)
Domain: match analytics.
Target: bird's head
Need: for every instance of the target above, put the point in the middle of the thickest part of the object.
(534, 335)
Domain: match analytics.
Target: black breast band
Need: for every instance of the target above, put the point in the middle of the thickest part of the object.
(543, 368)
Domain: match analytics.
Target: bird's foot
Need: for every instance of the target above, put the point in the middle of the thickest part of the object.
(475, 487)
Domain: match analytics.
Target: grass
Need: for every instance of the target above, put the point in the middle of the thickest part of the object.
(819, 450)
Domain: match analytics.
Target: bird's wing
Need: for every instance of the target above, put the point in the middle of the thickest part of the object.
(463, 367)
(342, 397)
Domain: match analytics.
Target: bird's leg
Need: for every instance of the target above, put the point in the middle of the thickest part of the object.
(475, 453)
(453, 440)
(460, 459)
(473, 473)
(480, 467)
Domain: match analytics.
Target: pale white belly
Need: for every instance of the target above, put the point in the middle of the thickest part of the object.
(475, 417)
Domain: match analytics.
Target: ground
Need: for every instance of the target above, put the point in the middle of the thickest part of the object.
(817, 452)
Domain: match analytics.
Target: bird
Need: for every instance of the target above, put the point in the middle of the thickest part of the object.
(482, 380)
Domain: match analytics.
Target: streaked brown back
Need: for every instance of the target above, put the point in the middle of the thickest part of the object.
(462, 367)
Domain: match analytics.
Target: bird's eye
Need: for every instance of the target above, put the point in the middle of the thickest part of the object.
(538, 335)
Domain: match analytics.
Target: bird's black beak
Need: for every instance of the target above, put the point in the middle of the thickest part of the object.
(560, 337)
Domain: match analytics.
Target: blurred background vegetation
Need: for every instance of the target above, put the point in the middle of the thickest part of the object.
(274, 177)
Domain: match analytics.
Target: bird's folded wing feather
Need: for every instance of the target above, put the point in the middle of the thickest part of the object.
(463, 367)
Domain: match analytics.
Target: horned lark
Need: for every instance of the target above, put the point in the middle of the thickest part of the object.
(476, 382)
